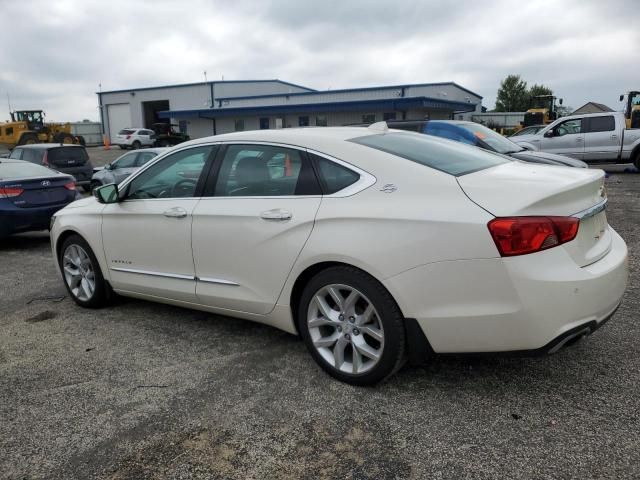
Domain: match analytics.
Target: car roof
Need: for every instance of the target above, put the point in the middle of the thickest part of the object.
(42, 146)
(153, 150)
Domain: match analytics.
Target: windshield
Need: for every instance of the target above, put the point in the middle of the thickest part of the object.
(491, 140)
(449, 157)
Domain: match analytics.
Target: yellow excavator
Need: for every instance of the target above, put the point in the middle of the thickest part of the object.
(542, 110)
(632, 109)
(28, 126)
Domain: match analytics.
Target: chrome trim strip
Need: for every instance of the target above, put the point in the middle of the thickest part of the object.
(592, 211)
(220, 281)
(154, 274)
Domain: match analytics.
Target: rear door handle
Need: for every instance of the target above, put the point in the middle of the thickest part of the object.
(175, 212)
(276, 214)
(578, 139)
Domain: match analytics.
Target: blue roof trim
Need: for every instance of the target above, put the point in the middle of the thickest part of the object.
(383, 104)
(349, 90)
(179, 85)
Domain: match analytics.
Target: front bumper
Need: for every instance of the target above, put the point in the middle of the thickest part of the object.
(528, 303)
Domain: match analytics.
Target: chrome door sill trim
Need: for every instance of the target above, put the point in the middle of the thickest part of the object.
(154, 274)
(217, 280)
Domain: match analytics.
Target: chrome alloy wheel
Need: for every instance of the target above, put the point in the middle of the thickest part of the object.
(78, 272)
(345, 329)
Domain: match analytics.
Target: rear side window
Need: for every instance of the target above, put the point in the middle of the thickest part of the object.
(16, 153)
(32, 155)
(126, 132)
(334, 177)
(452, 158)
(601, 124)
(70, 155)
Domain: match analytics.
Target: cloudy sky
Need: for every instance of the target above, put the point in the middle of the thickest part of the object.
(56, 53)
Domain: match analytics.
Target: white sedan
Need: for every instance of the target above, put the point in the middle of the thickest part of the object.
(375, 245)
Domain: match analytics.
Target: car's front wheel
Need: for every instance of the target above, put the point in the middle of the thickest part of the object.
(352, 326)
(81, 273)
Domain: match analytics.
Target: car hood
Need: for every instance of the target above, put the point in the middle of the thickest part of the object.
(84, 202)
(525, 138)
(548, 158)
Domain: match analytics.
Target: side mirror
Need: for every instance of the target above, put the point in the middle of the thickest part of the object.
(107, 193)
(548, 134)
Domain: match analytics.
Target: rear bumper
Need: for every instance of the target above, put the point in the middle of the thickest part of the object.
(27, 219)
(519, 304)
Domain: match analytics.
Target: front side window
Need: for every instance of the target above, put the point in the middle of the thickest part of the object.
(261, 170)
(570, 127)
(176, 176)
(601, 124)
(16, 153)
(126, 161)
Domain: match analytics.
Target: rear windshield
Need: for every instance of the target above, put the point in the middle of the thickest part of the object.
(12, 170)
(67, 155)
(126, 132)
(446, 156)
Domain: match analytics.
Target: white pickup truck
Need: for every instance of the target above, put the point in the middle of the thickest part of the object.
(593, 138)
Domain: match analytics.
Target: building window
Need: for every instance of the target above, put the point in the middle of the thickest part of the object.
(239, 125)
(264, 123)
(369, 118)
(321, 121)
(389, 116)
(303, 121)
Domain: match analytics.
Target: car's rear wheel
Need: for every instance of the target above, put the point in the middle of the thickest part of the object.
(352, 326)
(136, 145)
(81, 273)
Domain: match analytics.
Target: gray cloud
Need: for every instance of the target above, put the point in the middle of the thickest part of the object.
(60, 51)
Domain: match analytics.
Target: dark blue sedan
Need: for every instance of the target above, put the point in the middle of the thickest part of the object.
(30, 194)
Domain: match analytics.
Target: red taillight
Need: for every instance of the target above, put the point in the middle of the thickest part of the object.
(45, 160)
(128, 137)
(8, 192)
(70, 186)
(522, 235)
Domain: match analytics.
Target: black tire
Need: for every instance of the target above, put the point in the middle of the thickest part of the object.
(102, 292)
(28, 139)
(65, 138)
(81, 141)
(136, 145)
(122, 147)
(389, 315)
(636, 160)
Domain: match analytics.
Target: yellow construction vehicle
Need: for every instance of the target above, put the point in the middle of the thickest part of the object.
(542, 110)
(632, 109)
(28, 126)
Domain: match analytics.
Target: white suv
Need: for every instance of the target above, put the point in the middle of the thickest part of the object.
(135, 138)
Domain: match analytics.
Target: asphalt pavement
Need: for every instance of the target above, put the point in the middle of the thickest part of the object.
(146, 391)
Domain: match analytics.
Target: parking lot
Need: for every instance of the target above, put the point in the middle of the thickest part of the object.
(142, 390)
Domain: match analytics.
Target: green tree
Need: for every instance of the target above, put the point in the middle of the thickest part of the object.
(537, 90)
(512, 95)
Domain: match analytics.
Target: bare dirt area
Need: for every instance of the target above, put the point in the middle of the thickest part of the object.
(146, 391)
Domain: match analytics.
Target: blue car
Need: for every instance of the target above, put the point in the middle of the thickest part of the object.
(30, 194)
(478, 135)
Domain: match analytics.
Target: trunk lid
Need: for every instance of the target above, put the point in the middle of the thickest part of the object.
(521, 189)
(44, 191)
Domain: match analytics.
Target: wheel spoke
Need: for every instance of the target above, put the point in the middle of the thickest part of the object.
(365, 349)
(71, 271)
(324, 307)
(373, 332)
(85, 288)
(349, 305)
(337, 297)
(366, 315)
(338, 352)
(322, 321)
(327, 341)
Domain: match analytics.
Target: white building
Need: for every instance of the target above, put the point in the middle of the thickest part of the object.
(209, 108)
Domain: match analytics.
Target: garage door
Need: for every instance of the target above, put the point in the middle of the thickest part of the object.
(119, 118)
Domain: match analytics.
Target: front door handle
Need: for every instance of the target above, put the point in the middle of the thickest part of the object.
(578, 139)
(276, 214)
(176, 212)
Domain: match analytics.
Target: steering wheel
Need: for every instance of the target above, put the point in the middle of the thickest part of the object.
(181, 187)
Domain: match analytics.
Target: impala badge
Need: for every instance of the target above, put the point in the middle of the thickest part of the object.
(389, 188)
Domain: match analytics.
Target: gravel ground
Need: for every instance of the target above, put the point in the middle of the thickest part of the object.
(141, 391)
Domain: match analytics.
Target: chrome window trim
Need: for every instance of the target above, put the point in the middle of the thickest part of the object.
(592, 211)
(154, 274)
(365, 181)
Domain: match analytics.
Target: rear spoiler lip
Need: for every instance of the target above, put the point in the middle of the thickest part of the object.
(592, 211)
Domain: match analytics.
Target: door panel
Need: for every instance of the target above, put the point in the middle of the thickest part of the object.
(568, 140)
(602, 141)
(243, 257)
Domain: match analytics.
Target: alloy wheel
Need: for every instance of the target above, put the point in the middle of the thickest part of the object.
(345, 329)
(78, 272)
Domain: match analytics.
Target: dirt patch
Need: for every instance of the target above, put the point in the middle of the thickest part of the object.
(42, 316)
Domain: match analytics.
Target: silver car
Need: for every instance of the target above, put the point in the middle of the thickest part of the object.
(123, 166)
